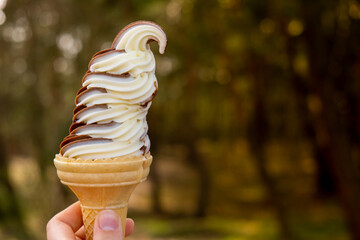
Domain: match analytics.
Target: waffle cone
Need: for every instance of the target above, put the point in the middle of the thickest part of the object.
(102, 183)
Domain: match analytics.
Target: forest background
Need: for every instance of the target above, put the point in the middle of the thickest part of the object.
(255, 129)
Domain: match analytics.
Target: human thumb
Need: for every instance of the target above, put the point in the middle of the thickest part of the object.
(108, 226)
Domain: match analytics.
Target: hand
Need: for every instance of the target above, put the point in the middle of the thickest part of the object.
(67, 225)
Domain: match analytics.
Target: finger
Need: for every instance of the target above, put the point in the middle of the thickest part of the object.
(81, 233)
(64, 224)
(129, 228)
(108, 226)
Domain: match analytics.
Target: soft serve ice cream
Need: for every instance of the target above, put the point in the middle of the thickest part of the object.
(110, 114)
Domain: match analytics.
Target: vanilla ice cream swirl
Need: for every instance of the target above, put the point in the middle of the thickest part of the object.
(111, 107)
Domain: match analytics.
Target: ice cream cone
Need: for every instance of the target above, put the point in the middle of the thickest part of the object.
(102, 183)
(109, 124)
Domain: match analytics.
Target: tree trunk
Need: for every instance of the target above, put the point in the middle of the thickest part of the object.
(201, 168)
(190, 140)
(258, 131)
(332, 128)
(325, 185)
(10, 211)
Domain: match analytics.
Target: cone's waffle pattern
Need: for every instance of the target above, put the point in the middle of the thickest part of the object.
(90, 214)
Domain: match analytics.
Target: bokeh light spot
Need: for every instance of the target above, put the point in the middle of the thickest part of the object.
(295, 27)
(69, 45)
(60, 65)
(2, 4)
(20, 66)
(267, 26)
(2, 17)
(173, 9)
(301, 65)
(354, 11)
(18, 34)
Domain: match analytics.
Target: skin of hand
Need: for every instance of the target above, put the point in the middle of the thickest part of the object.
(68, 225)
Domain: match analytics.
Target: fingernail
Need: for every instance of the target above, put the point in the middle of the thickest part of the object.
(108, 220)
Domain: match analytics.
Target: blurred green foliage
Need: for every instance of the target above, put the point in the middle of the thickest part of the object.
(255, 124)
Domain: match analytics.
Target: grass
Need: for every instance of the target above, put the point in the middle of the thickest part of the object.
(323, 222)
(207, 228)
